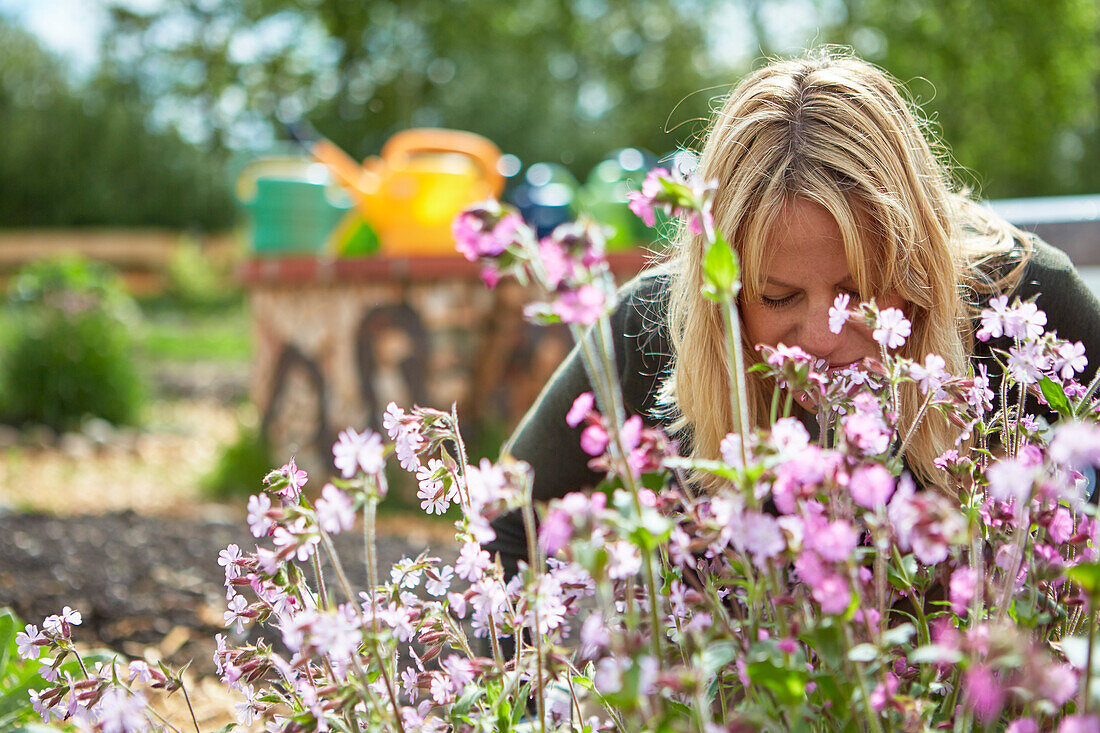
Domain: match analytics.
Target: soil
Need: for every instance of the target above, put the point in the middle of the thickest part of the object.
(147, 581)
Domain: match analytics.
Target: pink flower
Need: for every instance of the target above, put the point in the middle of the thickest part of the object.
(1070, 359)
(1027, 362)
(485, 230)
(1028, 321)
(581, 407)
(404, 431)
(730, 449)
(472, 562)
(295, 479)
(258, 520)
(435, 497)
(594, 440)
(838, 313)
(1022, 725)
(555, 530)
(832, 592)
(871, 486)
(789, 436)
(983, 690)
(555, 261)
(228, 558)
(1010, 479)
(623, 560)
(584, 305)
(834, 542)
(238, 612)
(762, 536)
(121, 711)
(28, 642)
(994, 319)
(1059, 684)
(1061, 525)
(1076, 444)
(963, 585)
(891, 328)
(884, 692)
(335, 510)
(932, 375)
(868, 432)
(644, 203)
(926, 522)
(354, 451)
(1079, 724)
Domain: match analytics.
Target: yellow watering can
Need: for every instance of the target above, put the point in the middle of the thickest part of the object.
(422, 179)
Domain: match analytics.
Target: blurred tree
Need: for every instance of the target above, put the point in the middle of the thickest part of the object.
(560, 80)
(1011, 83)
(85, 155)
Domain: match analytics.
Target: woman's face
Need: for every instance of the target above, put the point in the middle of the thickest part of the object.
(808, 269)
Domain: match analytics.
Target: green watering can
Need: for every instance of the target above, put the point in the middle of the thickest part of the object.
(291, 214)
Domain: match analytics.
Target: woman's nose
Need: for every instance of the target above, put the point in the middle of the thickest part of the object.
(816, 338)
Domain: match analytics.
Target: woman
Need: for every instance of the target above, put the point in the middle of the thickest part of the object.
(827, 184)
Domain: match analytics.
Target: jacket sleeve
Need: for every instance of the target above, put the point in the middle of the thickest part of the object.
(548, 444)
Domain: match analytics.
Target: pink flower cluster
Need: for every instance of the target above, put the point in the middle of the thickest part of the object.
(677, 196)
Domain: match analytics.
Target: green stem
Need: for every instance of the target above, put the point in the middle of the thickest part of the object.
(536, 571)
(187, 699)
(1086, 689)
(735, 371)
(913, 428)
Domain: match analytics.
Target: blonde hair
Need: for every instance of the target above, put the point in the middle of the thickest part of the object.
(836, 131)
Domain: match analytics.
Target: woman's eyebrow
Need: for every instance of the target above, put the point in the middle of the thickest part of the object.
(779, 283)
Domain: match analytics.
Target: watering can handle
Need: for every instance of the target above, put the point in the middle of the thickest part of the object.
(340, 164)
(407, 143)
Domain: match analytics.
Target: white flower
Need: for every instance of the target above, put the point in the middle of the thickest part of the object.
(623, 560)
(931, 376)
(891, 328)
(439, 585)
(838, 313)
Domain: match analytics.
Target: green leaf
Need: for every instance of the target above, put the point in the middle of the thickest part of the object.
(716, 656)
(934, 654)
(1055, 396)
(862, 653)
(899, 634)
(583, 682)
(789, 685)
(720, 271)
(463, 704)
(1087, 575)
(903, 577)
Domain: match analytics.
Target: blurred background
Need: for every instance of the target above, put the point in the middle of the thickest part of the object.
(223, 224)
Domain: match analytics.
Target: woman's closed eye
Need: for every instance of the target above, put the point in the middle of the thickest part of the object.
(777, 301)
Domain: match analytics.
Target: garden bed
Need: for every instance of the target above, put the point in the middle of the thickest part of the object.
(154, 581)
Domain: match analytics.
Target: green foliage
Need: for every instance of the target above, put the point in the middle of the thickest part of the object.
(86, 155)
(545, 80)
(172, 330)
(1012, 85)
(69, 351)
(194, 280)
(241, 466)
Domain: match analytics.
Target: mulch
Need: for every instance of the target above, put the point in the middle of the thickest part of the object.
(153, 582)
